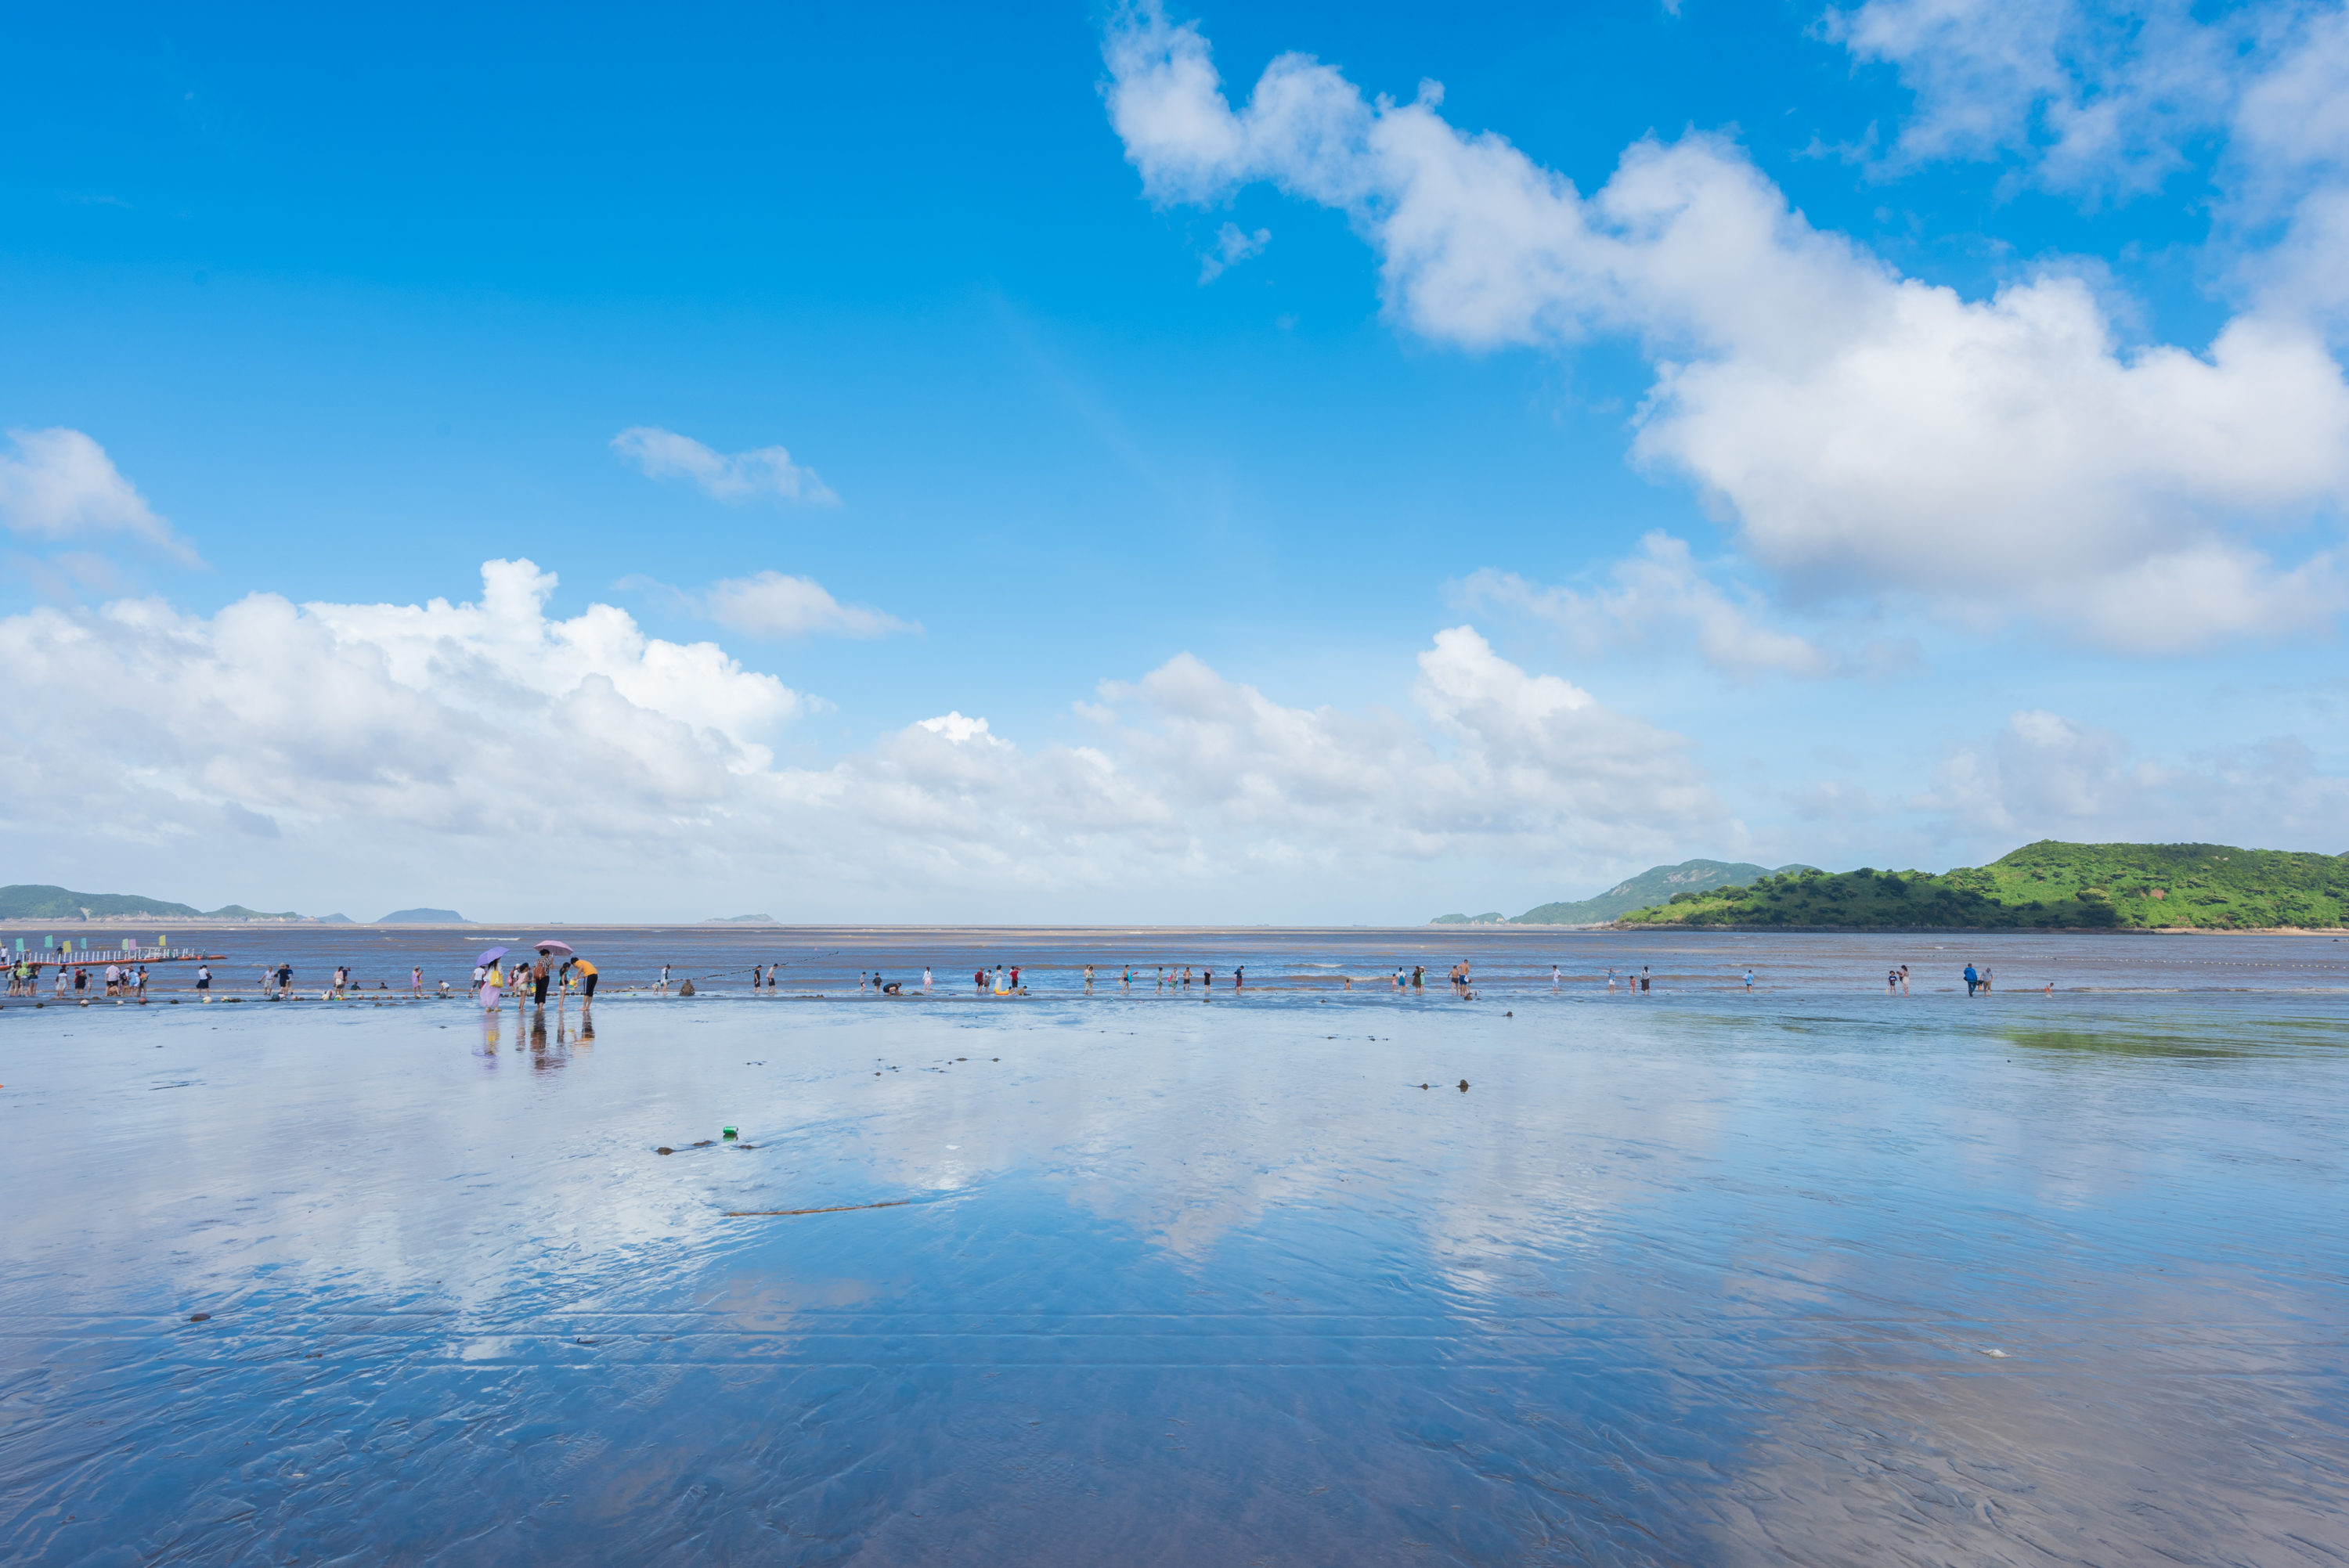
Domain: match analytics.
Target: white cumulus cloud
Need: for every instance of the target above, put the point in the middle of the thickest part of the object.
(1533, 764)
(743, 476)
(513, 759)
(60, 485)
(1865, 432)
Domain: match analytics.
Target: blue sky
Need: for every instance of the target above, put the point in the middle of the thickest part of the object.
(1932, 439)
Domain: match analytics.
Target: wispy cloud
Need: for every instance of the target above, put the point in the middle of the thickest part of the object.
(60, 484)
(744, 476)
(1662, 598)
(1233, 246)
(2045, 775)
(773, 604)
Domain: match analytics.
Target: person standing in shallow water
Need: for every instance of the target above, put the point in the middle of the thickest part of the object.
(1972, 979)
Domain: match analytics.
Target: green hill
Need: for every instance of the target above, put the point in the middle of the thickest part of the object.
(40, 901)
(2049, 885)
(1653, 885)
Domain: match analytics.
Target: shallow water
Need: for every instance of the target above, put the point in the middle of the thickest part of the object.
(830, 960)
(1705, 1278)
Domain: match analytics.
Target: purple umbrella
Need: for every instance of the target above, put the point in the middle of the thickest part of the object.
(491, 956)
(551, 945)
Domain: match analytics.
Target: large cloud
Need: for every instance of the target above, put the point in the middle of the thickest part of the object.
(1866, 431)
(1534, 764)
(473, 720)
(488, 752)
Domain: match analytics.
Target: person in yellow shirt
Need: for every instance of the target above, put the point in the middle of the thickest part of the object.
(586, 973)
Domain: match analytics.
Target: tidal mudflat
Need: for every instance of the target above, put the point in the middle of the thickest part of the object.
(1712, 1278)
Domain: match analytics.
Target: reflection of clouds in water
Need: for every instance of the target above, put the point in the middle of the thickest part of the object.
(1722, 1290)
(1555, 1164)
(1219, 1128)
(369, 1169)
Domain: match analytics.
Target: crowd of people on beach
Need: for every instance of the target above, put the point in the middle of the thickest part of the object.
(533, 978)
(122, 982)
(555, 969)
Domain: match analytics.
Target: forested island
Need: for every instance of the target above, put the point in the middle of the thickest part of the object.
(2049, 885)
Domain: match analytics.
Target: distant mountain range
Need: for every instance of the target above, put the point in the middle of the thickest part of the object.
(40, 901)
(1651, 886)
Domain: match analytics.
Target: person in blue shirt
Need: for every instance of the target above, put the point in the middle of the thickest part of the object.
(1972, 979)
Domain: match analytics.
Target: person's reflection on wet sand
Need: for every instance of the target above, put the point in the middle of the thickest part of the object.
(489, 1033)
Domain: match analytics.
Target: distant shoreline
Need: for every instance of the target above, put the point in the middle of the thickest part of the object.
(1667, 932)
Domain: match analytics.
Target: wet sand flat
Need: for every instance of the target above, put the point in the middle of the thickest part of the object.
(1710, 1278)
